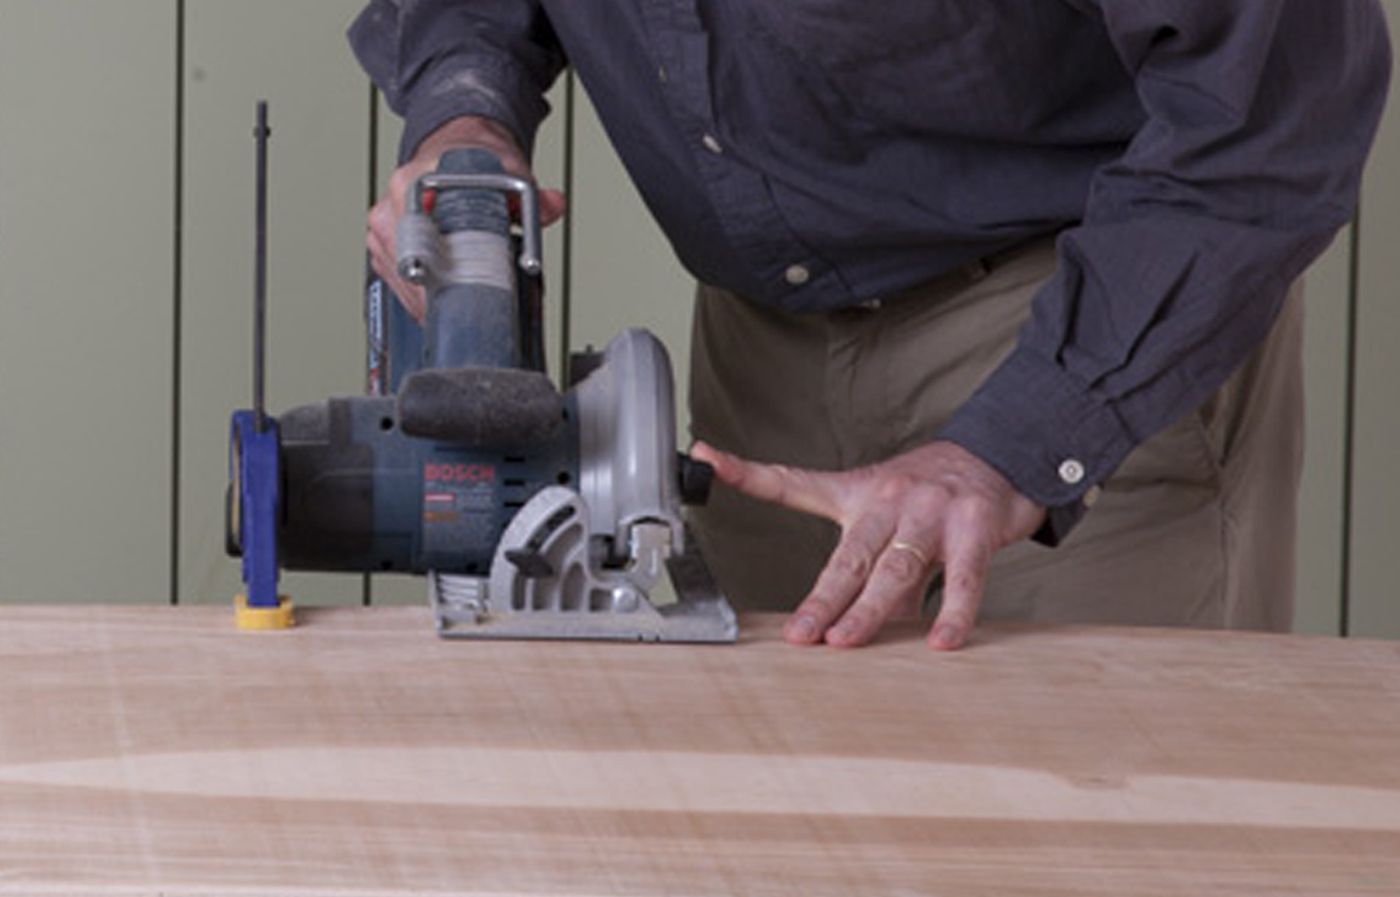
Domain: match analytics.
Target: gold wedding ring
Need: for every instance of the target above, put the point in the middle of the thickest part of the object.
(915, 550)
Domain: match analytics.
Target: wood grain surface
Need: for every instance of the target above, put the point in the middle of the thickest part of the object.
(156, 751)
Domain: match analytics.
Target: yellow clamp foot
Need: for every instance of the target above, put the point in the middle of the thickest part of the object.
(279, 617)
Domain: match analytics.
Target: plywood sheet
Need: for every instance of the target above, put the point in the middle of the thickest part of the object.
(156, 750)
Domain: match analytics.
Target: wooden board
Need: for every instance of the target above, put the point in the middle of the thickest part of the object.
(156, 750)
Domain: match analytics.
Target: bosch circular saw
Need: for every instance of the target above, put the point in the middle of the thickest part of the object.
(533, 513)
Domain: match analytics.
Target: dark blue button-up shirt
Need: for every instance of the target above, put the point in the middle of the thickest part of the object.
(1193, 155)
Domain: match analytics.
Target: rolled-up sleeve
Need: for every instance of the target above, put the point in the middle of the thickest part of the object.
(435, 60)
(1259, 117)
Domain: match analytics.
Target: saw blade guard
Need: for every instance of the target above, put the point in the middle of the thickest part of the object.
(610, 560)
(627, 443)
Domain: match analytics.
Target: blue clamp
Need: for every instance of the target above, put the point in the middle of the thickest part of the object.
(254, 464)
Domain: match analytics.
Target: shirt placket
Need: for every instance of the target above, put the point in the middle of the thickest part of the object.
(776, 264)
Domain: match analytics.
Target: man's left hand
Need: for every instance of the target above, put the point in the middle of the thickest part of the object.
(936, 506)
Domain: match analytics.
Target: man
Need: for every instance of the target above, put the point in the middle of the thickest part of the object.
(968, 267)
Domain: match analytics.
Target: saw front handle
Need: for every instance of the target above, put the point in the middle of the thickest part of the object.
(417, 236)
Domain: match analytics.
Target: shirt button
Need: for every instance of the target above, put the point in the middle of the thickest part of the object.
(1071, 471)
(661, 74)
(797, 275)
(872, 304)
(1091, 497)
(712, 144)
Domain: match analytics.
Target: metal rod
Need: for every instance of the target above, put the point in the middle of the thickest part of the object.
(1349, 420)
(177, 304)
(262, 132)
(566, 256)
(376, 291)
(376, 309)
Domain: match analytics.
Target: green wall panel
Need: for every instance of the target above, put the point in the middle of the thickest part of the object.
(1375, 525)
(1320, 501)
(86, 216)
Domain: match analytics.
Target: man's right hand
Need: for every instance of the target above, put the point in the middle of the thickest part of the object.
(455, 134)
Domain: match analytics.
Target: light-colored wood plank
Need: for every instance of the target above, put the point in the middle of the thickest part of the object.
(1375, 563)
(295, 56)
(1319, 560)
(86, 221)
(360, 755)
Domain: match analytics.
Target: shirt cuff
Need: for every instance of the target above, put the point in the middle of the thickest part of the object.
(453, 88)
(1046, 433)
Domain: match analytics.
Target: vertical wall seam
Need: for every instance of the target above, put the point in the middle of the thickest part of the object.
(372, 179)
(566, 253)
(177, 300)
(1349, 419)
(371, 193)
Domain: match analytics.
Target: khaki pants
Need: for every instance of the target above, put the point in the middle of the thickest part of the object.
(1195, 528)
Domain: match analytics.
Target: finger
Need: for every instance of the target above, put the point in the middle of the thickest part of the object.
(809, 491)
(968, 553)
(380, 256)
(381, 240)
(402, 182)
(902, 571)
(841, 580)
(553, 205)
(382, 221)
(410, 295)
(384, 257)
